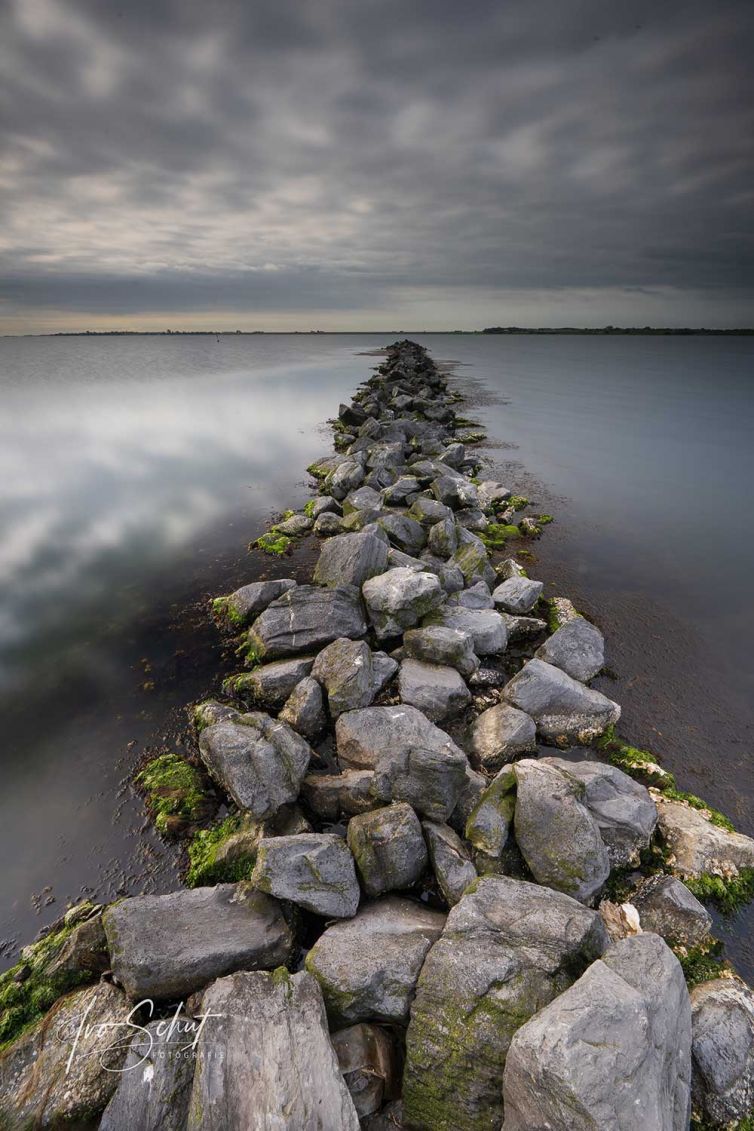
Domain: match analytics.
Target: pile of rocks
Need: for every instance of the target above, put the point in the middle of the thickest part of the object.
(398, 837)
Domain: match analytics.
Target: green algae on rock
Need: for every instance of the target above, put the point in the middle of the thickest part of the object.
(177, 793)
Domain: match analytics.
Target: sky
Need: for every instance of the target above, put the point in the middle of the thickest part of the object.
(375, 164)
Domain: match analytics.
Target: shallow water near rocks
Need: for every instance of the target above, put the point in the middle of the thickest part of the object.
(136, 469)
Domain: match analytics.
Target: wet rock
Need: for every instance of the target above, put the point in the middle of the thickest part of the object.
(414, 760)
(295, 526)
(349, 559)
(566, 712)
(168, 946)
(239, 608)
(489, 822)
(557, 835)
(442, 539)
(436, 644)
(722, 1050)
(322, 504)
(438, 691)
(402, 492)
(500, 734)
(474, 785)
(327, 524)
(667, 907)
(38, 1085)
(491, 494)
(455, 491)
(523, 628)
(472, 518)
(577, 648)
(561, 612)
(363, 499)
(384, 668)
(454, 455)
(347, 477)
(472, 560)
(344, 669)
(265, 1059)
(428, 511)
(352, 414)
(305, 619)
(450, 860)
(304, 709)
(369, 1064)
(154, 1086)
(399, 599)
(404, 532)
(368, 966)
(508, 949)
(314, 870)
(388, 847)
(260, 762)
(331, 796)
(486, 627)
(270, 685)
(509, 567)
(612, 1051)
(517, 595)
(477, 596)
(697, 845)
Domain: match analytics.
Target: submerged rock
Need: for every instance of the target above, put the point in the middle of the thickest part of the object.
(305, 619)
(168, 946)
(612, 1051)
(349, 559)
(154, 1085)
(577, 648)
(259, 761)
(388, 847)
(399, 599)
(314, 870)
(722, 1026)
(438, 691)
(566, 712)
(500, 734)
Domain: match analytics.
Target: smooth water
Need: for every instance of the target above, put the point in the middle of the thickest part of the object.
(136, 469)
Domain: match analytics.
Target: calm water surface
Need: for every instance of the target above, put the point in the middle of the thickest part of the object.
(135, 470)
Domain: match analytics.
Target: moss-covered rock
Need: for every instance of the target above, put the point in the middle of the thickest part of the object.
(224, 853)
(178, 795)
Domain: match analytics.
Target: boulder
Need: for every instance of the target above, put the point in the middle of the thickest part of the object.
(613, 1051)
(491, 494)
(314, 870)
(369, 1064)
(473, 561)
(455, 491)
(344, 668)
(438, 691)
(304, 709)
(331, 796)
(59, 1072)
(368, 966)
(295, 526)
(523, 628)
(442, 539)
(428, 511)
(154, 1085)
(363, 499)
(322, 504)
(486, 627)
(577, 648)
(167, 946)
(474, 785)
(327, 524)
(349, 559)
(414, 760)
(517, 595)
(402, 492)
(269, 686)
(477, 596)
(264, 1058)
(722, 1050)
(566, 712)
(489, 822)
(353, 415)
(557, 835)
(388, 847)
(404, 532)
(260, 762)
(667, 907)
(399, 599)
(450, 860)
(347, 477)
(305, 619)
(384, 668)
(436, 644)
(507, 950)
(509, 567)
(698, 846)
(239, 608)
(500, 734)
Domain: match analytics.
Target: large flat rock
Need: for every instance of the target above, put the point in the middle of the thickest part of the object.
(259, 761)
(154, 1086)
(314, 870)
(305, 619)
(565, 711)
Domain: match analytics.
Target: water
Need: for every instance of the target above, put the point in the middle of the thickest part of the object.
(136, 469)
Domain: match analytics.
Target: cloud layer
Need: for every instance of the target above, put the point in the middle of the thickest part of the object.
(284, 164)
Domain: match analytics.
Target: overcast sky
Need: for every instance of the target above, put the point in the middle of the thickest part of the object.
(375, 163)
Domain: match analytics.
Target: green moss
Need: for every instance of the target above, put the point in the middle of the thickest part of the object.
(318, 472)
(250, 653)
(726, 893)
(281, 976)
(714, 816)
(205, 868)
(309, 508)
(224, 609)
(176, 792)
(497, 534)
(701, 963)
(518, 502)
(273, 543)
(544, 519)
(466, 422)
(473, 437)
(639, 764)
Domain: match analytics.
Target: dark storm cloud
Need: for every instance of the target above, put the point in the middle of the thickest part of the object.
(298, 156)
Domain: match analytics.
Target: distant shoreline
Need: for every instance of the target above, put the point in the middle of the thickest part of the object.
(607, 331)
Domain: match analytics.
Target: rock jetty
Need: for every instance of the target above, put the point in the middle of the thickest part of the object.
(428, 886)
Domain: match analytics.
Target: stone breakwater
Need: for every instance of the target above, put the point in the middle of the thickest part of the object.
(428, 885)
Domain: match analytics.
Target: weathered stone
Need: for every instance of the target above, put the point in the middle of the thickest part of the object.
(698, 846)
(489, 822)
(454, 455)
(347, 477)
(509, 567)
(327, 524)
(167, 946)
(369, 1064)
(436, 644)
(558, 836)
(349, 559)
(304, 709)
(613, 1051)
(414, 760)
(352, 414)
(322, 504)
(487, 627)
(428, 511)
(442, 539)
(305, 619)
(491, 494)
(154, 1085)
(450, 860)
(344, 669)
(270, 685)
(389, 1119)
(363, 499)
(566, 712)
(60, 1073)
(368, 966)
(264, 1059)
(399, 599)
(578, 648)
(523, 628)
(295, 526)
(667, 907)
(402, 492)
(507, 949)
(517, 595)
(239, 608)
(388, 847)
(454, 491)
(561, 612)
(438, 691)
(722, 1050)
(259, 761)
(404, 532)
(331, 796)
(500, 734)
(472, 518)
(474, 785)
(477, 596)
(314, 870)
(473, 561)
(384, 668)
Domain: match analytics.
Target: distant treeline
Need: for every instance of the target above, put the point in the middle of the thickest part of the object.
(675, 330)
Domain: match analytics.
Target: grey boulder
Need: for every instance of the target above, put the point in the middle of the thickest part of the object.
(259, 761)
(349, 559)
(154, 1085)
(305, 619)
(485, 626)
(304, 709)
(399, 599)
(668, 908)
(331, 796)
(450, 860)
(500, 734)
(344, 668)
(314, 870)
(404, 532)
(438, 691)
(436, 644)
(699, 846)
(269, 686)
(240, 607)
(577, 648)
(388, 847)
(517, 595)
(566, 712)
(722, 1027)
